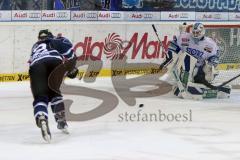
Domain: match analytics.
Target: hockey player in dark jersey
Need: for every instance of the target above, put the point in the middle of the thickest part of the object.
(47, 54)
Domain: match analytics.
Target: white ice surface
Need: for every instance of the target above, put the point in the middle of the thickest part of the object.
(213, 133)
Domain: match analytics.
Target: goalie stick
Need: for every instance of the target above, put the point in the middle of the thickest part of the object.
(153, 26)
(206, 83)
(228, 81)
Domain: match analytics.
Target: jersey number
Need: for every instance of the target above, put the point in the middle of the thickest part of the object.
(40, 49)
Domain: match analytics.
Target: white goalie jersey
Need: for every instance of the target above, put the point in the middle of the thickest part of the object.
(203, 50)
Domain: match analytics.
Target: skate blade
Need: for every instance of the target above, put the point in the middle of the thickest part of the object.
(46, 136)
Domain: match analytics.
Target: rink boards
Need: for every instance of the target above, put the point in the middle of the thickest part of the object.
(96, 42)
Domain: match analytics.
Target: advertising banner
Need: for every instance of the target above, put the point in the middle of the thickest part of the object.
(212, 16)
(110, 16)
(5, 15)
(180, 5)
(97, 41)
(142, 16)
(234, 16)
(173, 16)
(204, 5)
(51, 15)
(25, 15)
(84, 15)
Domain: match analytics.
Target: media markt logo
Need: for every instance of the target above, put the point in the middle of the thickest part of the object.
(114, 47)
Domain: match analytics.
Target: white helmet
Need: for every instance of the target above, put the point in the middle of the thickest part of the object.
(198, 31)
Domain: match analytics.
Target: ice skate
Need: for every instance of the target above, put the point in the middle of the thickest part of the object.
(62, 125)
(61, 122)
(43, 124)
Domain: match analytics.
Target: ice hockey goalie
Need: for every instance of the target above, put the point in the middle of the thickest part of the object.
(191, 60)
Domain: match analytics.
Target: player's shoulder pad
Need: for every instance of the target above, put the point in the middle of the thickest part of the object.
(184, 39)
(210, 41)
(64, 40)
(38, 43)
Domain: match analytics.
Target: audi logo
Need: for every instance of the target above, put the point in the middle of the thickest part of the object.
(61, 15)
(116, 15)
(148, 15)
(91, 15)
(34, 15)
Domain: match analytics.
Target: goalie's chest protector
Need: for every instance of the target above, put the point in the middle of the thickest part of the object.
(200, 49)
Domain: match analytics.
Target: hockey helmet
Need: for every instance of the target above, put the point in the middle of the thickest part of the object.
(45, 33)
(198, 31)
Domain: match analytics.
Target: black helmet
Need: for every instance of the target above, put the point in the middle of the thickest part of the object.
(45, 33)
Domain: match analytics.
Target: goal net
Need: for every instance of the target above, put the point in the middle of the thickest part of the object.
(227, 38)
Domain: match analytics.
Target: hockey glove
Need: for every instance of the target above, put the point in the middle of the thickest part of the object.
(73, 74)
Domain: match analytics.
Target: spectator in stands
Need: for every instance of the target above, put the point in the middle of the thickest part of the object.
(52, 4)
(107, 4)
(58, 5)
(83, 4)
(26, 4)
(5, 5)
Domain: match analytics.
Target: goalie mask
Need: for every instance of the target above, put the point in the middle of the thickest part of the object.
(198, 31)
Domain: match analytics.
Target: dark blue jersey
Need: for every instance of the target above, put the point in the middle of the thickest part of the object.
(63, 46)
(42, 51)
(60, 48)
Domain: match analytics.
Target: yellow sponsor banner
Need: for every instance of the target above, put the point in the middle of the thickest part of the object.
(8, 77)
(14, 77)
(228, 66)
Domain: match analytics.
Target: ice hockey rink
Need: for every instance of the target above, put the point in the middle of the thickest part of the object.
(212, 133)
